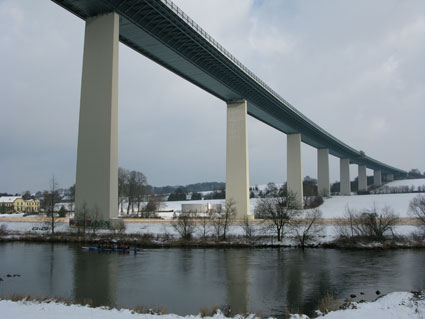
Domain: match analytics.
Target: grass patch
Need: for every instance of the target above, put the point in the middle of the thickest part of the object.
(327, 304)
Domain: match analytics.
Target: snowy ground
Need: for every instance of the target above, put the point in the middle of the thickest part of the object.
(12, 215)
(397, 305)
(333, 207)
(407, 182)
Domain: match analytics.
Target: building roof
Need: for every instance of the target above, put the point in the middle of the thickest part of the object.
(9, 199)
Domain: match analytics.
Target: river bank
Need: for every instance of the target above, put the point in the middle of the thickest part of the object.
(399, 305)
(157, 233)
(166, 240)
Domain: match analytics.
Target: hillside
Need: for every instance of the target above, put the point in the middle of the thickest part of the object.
(334, 207)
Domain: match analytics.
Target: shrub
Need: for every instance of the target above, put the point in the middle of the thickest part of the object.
(119, 227)
(3, 229)
(327, 304)
(185, 224)
(370, 224)
(318, 200)
(279, 210)
(417, 208)
(307, 228)
(62, 212)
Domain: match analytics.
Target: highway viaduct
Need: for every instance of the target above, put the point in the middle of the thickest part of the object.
(159, 30)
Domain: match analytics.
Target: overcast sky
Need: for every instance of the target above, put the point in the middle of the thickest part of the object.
(356, 68)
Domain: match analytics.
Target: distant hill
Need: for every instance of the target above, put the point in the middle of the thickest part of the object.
(198, 187)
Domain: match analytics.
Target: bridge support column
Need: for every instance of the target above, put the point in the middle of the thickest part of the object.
(294, 171)
(97, 153)
(377, 179)
(237, 169)
(390, 177)
(362, 178)
(323, 180)
(344, 171)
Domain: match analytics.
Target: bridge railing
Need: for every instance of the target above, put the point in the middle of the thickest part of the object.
(226, 53)
(171, 5)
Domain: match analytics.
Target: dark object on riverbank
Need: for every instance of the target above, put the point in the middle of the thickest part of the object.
(352, 296)
(378, 292)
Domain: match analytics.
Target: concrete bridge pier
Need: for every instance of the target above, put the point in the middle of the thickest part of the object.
(344, 171)
(294, 171)
(237, 169)
(377, 178)
(362, 178)
(323, 179)
(97, 153)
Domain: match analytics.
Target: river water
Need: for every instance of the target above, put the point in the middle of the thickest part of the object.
(186, 280)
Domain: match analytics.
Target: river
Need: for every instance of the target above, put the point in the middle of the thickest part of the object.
(186, 280)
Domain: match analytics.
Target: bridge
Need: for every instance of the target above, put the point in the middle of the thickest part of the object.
(159, 30)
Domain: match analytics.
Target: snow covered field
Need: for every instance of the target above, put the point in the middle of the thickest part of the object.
(397, 305)
(12, 215)
(333, 207)
(407, 182)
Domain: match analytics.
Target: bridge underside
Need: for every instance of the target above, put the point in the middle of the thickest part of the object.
(162, 32)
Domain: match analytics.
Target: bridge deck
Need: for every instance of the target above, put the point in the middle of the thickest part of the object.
(159, 30)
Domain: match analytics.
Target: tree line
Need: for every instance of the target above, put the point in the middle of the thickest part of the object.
(133, 189)
(190, 188)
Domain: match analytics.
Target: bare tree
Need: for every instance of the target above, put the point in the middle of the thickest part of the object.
(140, 192)
(417, 208)
(222, 217)
(307, 227)
(345, 226)
(309, 191)
(204, 223)
(375, 224)
(271, 190)
(154, 204)
(369, 223)
(71, 198)
(50, 198)
(118, 227)
(248, 228)
(96, 222)
(185, 224)
(279, 211)
(81, 217)
(122, 186)
(136, 189)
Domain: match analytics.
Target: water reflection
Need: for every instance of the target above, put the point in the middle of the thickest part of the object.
(237, 265)
(95, 278)
(185, 280)
(295, 287)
